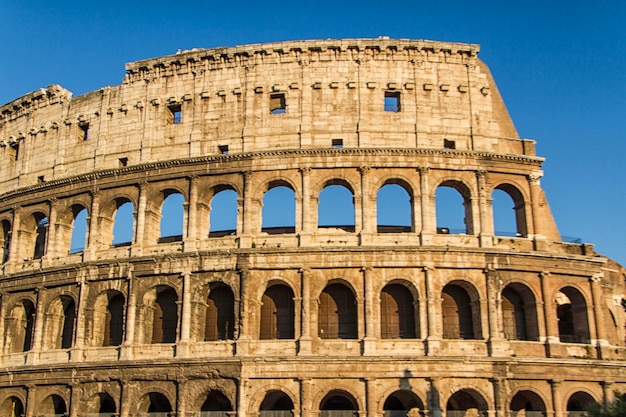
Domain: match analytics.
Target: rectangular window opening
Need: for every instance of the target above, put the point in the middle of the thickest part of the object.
(449, 144)
(41, 179)
(15, 147)
(176, 114)
(337, 143)
(223, 149)
(83, 131)
(123, 162)
(278, 104)
(392, 101)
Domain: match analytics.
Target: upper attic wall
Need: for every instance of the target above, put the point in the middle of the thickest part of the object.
(327, 91)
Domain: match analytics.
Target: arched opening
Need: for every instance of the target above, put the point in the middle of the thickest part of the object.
(401, 402)
(279, 209)
(5, 235)
(453, 209)
(527, 404)
(276, 404)
(338, 403)
(337, 313)
(277, 313)
(397, 313)
(466, 403)
(114, 320)
(505, 222)
(41, 235)
(165, 315)
(215, 405)
(52, 404)
(61, 319)
(172, 216)
(12, 407)
(79, 229)
(519, 313)
(394, 213)
(578, 404)
(572, 316)
(106, 405)
(336, 207)
(220, 313)
(124, 223)
(19, 327)
(154, 402)
(223, 215)
(459, 313)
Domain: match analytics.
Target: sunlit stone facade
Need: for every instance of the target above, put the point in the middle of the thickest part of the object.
(141, 274)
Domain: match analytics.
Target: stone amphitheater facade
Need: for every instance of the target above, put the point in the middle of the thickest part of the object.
(302, 317)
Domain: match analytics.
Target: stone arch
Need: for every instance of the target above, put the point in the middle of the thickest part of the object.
(123, 217)
(527, 403)
(336, 207)
(460, 310)
(101, 402)
(109, 319)
(277, 318)
(519, 312)
(337, 312)
(278, 213)
(571, 312)
(398, 310)
(578, 403)
(220, 313)
(6, 233)
(450, 219)
(276, 403)
(60, 322)
(339, 403)
(34, 235)
(154, 402)
(159, 315)
(466, 403)
(394, 207)
(217, 403)
(499, 215)
(19, 327)
(402, 403)
(223, 210)
(53, 404)
(12, 406)
(72, 230)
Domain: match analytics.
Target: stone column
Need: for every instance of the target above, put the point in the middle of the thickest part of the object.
(306, 408)
(368, 212)
(3, 319)
(33, 354)
(557, 401)
(244, 321)
(433, 402)
(306, 211)
(304, 345)
(193, 234)
(242, 403)
(596, 294)
(131, 312)
(499, 396)
(15, 254)
(535, 193)
(433, 306)
(549, 312)
(247, 214)
(93, 240)
(79, 343)
(371, 397)
(607, 392)
(51, 249)
(185, 324)
(370, 319)
(30, 408)
(485, 229)
(429, 225)
(181, 397)
(74, 403)
(142, 207)
(494, 313)
(125, 399)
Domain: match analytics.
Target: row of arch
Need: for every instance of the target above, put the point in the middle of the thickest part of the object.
(169, 217)
(337, 316)
(336, 403)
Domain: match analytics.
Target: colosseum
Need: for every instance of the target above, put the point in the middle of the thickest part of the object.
(258, 231)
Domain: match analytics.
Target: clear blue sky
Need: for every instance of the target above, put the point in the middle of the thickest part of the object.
(560, 66)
